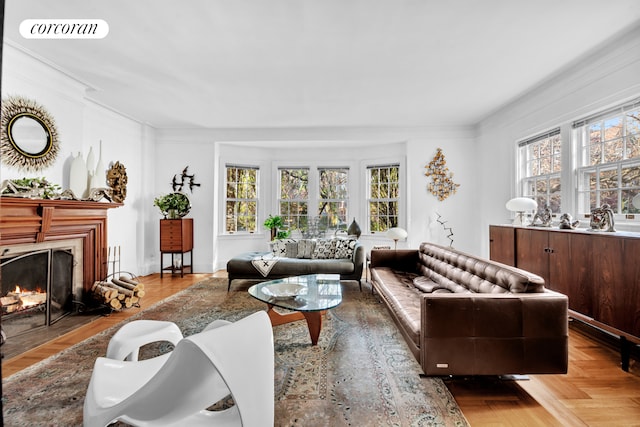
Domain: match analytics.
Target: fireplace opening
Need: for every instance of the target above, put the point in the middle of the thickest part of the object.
(37, 289)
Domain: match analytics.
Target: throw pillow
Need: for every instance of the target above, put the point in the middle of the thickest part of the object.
(345, 248)
(292, 249)
(325, 249)
(305, 248)
(279, 247)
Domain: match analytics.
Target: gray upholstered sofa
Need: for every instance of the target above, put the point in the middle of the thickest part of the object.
(346, 258)
(464, 315)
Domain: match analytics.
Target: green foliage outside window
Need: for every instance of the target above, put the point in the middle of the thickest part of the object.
(241, 208)
(384, 193)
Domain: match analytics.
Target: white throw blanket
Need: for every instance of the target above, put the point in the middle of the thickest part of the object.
(264, 263)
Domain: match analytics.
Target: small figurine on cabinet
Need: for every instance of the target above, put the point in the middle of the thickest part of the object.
(544, 216)
(602, 219)
(567, 223)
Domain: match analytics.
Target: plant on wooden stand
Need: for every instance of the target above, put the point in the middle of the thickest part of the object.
(173, 205)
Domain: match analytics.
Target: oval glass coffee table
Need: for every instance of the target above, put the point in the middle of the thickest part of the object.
(307, 296)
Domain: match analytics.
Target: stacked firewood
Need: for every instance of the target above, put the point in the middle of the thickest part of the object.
(118, 293)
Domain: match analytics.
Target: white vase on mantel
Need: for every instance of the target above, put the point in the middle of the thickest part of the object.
(91, 160)
(78, 178)
(99, 179)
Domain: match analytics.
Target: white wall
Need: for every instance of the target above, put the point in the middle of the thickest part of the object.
(606, 77)
(415, 148)
(81, 125)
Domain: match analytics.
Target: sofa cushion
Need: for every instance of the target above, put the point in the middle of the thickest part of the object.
(402, 298)
(345, 248)
(305, 248)
(325, 249)
(279, 247)
(292, 249)
(424, 284)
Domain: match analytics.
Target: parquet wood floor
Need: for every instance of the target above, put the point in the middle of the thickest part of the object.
(595, 392)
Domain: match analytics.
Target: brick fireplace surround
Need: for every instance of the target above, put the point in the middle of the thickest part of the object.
(40, 220)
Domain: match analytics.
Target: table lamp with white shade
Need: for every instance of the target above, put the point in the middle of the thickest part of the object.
(397, 233)
(520, 205)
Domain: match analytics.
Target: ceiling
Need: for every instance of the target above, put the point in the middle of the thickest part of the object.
(319, 63)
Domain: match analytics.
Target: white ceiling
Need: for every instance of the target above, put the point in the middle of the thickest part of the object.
(320, 63)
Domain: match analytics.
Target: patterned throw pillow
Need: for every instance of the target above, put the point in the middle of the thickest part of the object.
(325, 249)
(345, 248)
(279, 247)
(305, 248)
(292, 250)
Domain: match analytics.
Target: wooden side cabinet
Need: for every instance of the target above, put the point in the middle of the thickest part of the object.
(598, 271)
(176, 238)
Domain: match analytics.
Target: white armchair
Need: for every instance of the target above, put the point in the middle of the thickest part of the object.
(234, 359)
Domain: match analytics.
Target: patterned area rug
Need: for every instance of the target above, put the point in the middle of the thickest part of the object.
(360, 373)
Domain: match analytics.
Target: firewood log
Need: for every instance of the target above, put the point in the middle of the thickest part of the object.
(125, 285)
(132, 282)
(120, 289)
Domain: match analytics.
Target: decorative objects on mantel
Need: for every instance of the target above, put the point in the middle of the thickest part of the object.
(78, 176)
(28, 138)
(33, 188)
(520, 205)
(602, 219)
(117, 179)
(442, 185)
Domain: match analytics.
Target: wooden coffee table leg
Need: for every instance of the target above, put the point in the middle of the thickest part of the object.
(314, 322)
(313, 318)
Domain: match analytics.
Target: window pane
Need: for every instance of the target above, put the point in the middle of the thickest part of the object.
(613, 151)
(544, 163)
(241, 194)
(627, 205)
(609, 178)
(595, 133)
(630, 176)
(613, 128)
(633, 146)
(384, 191)
(595, 154)
(610, 198)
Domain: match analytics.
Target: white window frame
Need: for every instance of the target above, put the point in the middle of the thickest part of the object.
(279, 200)
(528, 177)
(240, 199)
(368, 199)
(582, 137)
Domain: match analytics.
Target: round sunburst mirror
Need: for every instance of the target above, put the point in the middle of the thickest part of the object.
(29, 139)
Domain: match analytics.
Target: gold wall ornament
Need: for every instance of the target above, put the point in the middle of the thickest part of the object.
(117, 180)
(28, 138)
(442, 185)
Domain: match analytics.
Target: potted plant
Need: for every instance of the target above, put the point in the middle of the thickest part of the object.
(173, 205)
(273, 223)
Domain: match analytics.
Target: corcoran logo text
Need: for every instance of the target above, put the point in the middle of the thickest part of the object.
(64, 28)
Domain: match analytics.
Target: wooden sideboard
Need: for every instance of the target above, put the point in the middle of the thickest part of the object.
(598, 271)
(176, 237)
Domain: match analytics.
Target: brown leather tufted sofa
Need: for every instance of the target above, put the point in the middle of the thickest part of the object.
(465, 315)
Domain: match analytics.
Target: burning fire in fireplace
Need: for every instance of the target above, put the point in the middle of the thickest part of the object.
(19, 299)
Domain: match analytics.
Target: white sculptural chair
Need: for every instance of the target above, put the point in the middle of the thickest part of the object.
(234, 359)
(127, 341)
